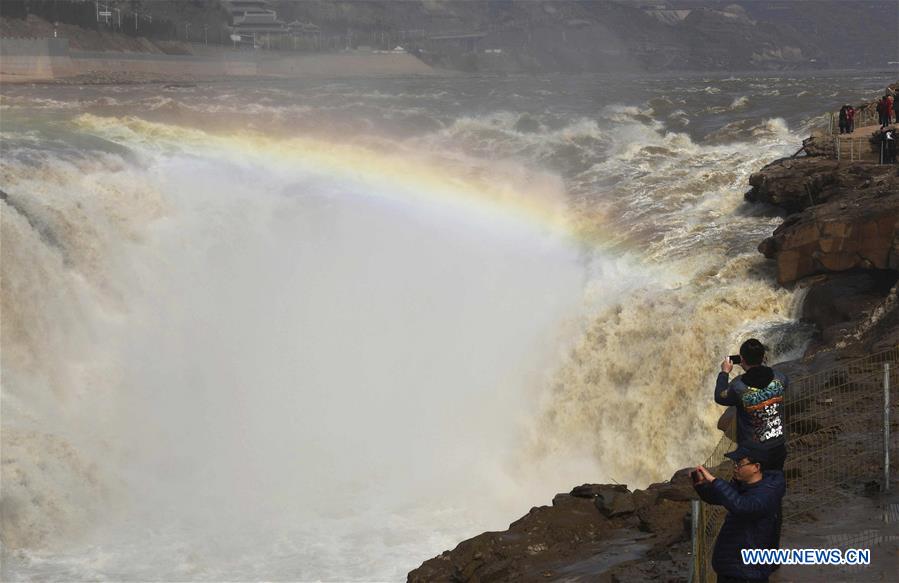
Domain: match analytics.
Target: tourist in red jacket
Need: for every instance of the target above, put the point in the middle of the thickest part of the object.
(885, 109)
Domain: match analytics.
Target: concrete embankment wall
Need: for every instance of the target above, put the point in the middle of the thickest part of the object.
(35, 59)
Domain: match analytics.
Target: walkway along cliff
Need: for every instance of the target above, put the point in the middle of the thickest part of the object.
(840, 242)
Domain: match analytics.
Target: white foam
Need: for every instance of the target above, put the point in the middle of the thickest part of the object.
(275, 351)
(285, 377)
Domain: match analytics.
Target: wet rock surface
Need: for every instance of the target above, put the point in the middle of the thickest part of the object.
(596, 532)
(845, 216)
(796, 184)
(834, 303)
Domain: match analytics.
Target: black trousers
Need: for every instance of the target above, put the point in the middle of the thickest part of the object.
(777, 457)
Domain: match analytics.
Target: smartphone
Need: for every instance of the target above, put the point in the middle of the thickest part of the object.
(735, 359)
(694, 475)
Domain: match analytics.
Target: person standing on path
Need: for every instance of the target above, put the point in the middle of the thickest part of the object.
(844, 119)
(885, 110)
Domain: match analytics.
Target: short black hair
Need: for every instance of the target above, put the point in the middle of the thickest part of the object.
(753, 352)
(761, 460)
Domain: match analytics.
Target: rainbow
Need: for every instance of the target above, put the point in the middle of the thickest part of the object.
(403, 176)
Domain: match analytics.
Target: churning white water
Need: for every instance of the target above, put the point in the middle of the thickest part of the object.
(229, 354)
(273, 351)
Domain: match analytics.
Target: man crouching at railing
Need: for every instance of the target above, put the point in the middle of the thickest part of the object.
(753, 503)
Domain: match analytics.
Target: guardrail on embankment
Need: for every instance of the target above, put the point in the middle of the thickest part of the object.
(839, 440)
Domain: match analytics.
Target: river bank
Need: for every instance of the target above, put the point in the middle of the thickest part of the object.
(51, 59)
(840, 244)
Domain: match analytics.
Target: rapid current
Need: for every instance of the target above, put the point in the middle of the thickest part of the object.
(291, 330)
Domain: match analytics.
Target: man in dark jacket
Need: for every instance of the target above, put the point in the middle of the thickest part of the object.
(758, 396)
(844, 119)
(753, 503)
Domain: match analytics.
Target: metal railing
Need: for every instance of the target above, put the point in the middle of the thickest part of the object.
(852, 148)
(838, 428)
(858, 149)
(869, 149)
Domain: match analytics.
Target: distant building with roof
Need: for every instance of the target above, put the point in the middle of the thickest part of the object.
(252, 19)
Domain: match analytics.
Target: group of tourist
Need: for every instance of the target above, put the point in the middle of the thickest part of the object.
(887, 114)
(847, 119)
(753, 496)
(886, 137)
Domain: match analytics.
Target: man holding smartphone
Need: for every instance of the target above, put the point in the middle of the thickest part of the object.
(753, 503)
(758, 396)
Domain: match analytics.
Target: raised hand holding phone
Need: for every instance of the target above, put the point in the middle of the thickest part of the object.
(727, 365)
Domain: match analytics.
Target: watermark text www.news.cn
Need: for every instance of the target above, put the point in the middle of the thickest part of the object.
(806, 556)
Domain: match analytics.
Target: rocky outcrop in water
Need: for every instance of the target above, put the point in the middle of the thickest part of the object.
(596, 532)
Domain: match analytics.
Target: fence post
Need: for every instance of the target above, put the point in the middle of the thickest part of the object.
(694, 537)
(886, 427)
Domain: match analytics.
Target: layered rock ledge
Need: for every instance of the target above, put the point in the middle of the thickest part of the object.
(845, 216)
(596, 532)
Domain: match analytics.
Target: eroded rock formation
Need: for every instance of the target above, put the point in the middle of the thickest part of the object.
(596, 532)
(845, 217)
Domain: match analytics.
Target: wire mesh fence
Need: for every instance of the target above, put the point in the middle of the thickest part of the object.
(840, 426)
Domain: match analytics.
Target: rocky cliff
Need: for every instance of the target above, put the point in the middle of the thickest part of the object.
(597, 532)
(844, 216)
(840, 240)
